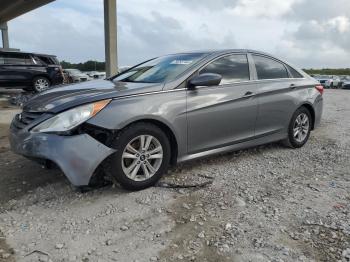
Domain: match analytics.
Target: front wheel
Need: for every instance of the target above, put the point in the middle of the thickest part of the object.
(299, 128)
(40, 84)
(142, 156)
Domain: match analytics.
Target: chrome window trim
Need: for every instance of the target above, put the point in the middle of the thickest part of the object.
(250, 81)
(151, 93)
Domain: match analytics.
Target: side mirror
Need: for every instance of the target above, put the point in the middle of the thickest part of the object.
(206, 79)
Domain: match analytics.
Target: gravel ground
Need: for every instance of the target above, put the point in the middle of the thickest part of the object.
(263, 204)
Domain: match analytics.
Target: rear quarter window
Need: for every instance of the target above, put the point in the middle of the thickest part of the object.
(295, 73)
(49, 60)
(267, 68)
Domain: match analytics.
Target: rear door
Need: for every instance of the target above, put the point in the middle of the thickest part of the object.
(278, 94)
(225, 114)
(15, 69)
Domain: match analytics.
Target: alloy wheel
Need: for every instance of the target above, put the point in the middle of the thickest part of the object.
(41, 84)
(142, 157)
(301, 127)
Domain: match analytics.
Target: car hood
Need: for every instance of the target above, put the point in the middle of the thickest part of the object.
(68, 96)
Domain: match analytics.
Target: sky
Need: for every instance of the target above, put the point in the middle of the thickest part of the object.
(307, 33)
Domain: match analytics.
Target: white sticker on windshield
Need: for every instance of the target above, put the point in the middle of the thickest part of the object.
(181, 62)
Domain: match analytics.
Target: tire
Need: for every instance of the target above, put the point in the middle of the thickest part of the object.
(129, 159)
(304, 129)
(41, 83)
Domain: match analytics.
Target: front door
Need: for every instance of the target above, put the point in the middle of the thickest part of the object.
(225, 114)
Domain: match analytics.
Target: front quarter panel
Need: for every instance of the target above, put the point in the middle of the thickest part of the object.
(167, 107)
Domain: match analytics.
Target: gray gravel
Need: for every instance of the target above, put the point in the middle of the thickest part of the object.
(264, 204)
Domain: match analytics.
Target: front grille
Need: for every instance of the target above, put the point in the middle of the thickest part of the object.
(24, 119)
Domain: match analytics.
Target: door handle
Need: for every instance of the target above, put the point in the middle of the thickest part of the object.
(248, 94)
(292, 86)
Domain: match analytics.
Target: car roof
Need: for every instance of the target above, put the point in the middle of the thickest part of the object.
(21, 52)
(218, 52)
(222, 51)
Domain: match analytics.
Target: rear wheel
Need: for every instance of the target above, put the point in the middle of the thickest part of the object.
(40, 84)
(142, 157)
(299, 128)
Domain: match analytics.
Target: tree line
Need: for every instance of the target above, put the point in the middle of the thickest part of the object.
(86, 66)
(328, 71)
(100, 66)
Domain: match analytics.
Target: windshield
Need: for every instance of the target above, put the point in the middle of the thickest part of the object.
(160, 69)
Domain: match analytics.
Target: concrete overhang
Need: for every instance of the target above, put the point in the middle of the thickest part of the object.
(10, 9)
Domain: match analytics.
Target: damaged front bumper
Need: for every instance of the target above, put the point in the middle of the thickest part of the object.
(77, 156)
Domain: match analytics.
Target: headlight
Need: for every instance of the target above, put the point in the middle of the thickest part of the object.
(71, 118)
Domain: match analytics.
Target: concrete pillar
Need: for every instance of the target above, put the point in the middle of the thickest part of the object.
(5, 35)
(110, 20)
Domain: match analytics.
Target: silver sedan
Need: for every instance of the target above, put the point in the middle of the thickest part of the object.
(167, 110)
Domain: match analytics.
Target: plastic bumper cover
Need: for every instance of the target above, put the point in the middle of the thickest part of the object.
(77, 156)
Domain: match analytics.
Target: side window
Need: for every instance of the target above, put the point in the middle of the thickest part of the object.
(233, 68)
(17, 59)
(267, 68)
(45, 59)
(37, 60)
(295, 73)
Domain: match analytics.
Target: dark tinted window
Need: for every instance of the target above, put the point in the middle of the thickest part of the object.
(295, 73)
(267, 68)
(232, 68)
(49, 60)
(16, 59)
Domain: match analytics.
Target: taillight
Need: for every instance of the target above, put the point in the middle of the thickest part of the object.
(320, 89)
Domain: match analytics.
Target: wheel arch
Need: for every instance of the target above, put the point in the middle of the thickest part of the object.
(167, 130)
(41, 75)
(311, 109)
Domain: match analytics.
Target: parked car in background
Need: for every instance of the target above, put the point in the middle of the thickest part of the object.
(29, 71)
(96, 74)
(333, 82)
(168, 110)
(322, 79)
(76, 76)
(345, 82)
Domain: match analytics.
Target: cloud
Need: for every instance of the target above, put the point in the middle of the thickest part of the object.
(266, 8)
(68, 33)
(161, 35)
(321, 36)
(309, 33)
(217, 5)
(319, 10)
